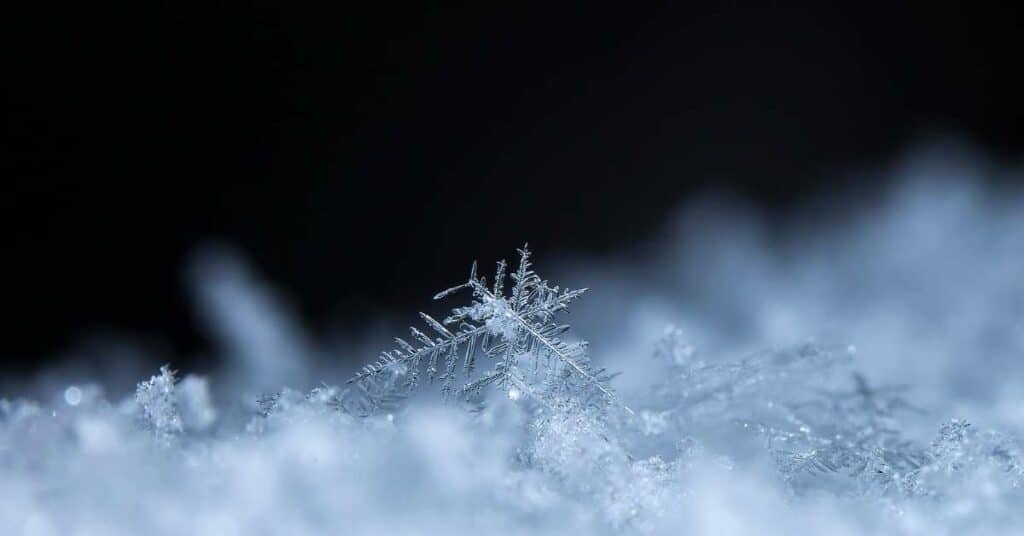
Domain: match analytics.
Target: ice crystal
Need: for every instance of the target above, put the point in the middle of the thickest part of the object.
(959, 454)
(158, 404)
(846, 440)
(517, 331)
(822, 437)
(168, 407)
(694, 389)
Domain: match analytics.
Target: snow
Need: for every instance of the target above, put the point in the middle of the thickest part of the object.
(856, 374)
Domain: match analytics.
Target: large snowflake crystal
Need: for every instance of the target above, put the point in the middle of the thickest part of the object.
(516, 331)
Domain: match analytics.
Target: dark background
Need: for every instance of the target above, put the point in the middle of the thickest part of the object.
(361, 156)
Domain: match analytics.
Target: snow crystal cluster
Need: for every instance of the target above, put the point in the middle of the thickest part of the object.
(875, 386)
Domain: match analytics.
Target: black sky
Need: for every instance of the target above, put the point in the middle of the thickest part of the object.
(362, 155)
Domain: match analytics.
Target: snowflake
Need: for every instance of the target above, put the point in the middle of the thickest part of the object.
(517, 331)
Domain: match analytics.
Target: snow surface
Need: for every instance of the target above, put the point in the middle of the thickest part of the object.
(857, 370)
